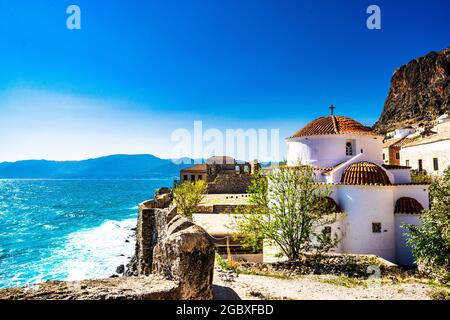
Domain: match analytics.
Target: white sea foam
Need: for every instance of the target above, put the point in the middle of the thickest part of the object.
(95, 253)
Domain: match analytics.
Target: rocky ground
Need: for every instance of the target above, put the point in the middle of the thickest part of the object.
(128, 288)
(230, 285)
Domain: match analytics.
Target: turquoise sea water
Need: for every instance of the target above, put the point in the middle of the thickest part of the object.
(67, 229)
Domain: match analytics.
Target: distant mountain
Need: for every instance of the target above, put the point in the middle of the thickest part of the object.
(109, 167)
(419, 93)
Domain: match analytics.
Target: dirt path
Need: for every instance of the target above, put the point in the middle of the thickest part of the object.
(229, 285)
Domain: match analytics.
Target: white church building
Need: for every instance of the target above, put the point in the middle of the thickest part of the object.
(376, 199)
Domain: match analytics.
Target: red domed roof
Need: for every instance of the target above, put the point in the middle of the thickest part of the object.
(364, 173)
(408, 205)
(332, 125)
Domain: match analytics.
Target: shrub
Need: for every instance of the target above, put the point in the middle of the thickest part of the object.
(188, 195)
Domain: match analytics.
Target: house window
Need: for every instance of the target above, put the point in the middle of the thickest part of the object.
(384, 156)
(407, 163)
(327, 230)
(397, 156)
(200, 177)
(435, 164)
(376, 227)
(420, 164)
(192, 177)
(348, 148)
(185, 177)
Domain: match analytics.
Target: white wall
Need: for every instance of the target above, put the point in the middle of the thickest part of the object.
(404, 255)
(329, 150)
(401, 133)
(364, 205)
(427, 152)
(401, 175)
(418, 192)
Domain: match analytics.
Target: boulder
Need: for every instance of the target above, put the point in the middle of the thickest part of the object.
(186, 255)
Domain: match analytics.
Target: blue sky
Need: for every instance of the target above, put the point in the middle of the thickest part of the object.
(137, 70)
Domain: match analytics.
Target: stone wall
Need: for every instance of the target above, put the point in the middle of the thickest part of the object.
(186, 255)
(174, 247)
(153, 287)
(230, 183)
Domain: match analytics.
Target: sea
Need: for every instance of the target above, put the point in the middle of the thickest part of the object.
(68, 229)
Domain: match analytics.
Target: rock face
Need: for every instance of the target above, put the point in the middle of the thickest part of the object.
(419, 93)
(174, 247)
(153, 287)
(187, 255)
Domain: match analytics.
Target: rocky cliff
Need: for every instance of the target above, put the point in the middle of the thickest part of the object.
(419, 92)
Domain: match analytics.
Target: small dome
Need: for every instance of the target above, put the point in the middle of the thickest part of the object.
(332, 125)
(364, 173)
(408, 205)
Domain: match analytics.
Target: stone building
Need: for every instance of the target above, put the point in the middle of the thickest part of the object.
(222, 173)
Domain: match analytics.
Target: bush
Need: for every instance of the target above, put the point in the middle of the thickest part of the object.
(188, 195)
(290, 209)
(430, 242)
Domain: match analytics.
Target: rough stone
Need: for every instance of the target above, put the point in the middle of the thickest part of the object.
(153, 287)
(419, 92)
(230, 183)
(120, 269)
(187, 255)
(173, 246)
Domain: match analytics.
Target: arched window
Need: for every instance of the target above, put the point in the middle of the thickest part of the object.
(348, 148)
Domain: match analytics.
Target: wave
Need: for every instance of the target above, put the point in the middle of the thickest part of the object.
(96, 252)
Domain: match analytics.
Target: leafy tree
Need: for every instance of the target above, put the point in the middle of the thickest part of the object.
(430, 242)
(188, 195)
(421, 177)
(289, 208)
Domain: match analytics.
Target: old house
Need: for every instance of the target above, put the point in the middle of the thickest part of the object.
(222, 173)
(395, 141)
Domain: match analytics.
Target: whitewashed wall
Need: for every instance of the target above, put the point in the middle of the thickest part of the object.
(418, 192)
(364, 205)
(401, 175)
(404, 255)
(329, 150)
(427, 152)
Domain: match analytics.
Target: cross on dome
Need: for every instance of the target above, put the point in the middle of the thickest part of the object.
(332, 107)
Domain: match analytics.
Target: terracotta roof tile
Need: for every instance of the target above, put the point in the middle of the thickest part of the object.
(361, 173)
(332, 125)
(195, 168)
(332, 205)
(408, 205)
(430, 139)
(403, 142)
(391, 142)
(395, 167)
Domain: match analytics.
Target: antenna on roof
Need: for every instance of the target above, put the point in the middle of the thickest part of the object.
(332, 107)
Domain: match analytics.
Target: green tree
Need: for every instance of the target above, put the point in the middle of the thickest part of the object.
(289, 208)
(430, 242)
(421, 177)
(188, 195)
